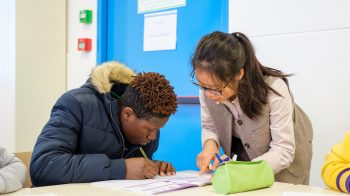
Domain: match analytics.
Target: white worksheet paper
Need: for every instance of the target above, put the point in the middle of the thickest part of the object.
(159, 184)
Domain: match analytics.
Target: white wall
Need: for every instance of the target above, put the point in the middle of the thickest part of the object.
(32, 69)
(310, 39)
(40, 65)
(79, 64)
(7, 74)
(33, 63)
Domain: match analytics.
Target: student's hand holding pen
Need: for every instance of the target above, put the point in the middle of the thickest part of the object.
(140, 168)
(210, 147)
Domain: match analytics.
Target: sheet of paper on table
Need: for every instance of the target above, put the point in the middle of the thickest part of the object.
(160, 184)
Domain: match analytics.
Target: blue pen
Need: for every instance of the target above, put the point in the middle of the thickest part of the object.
(218, 157)
(227, 159)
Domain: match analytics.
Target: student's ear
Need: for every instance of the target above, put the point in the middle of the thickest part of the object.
(127, 113)
(240, 74)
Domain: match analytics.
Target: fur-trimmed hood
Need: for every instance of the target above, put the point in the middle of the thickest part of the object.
(104, 76)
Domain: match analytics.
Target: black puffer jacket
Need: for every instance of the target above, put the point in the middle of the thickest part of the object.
(82, 141)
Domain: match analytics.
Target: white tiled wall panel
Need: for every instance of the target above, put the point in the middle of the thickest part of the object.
(270, 17)
(312, 40)
(79, 64)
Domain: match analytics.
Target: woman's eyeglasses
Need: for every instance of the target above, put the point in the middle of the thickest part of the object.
(216, 92)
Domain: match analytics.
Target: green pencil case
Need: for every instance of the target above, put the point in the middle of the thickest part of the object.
(240, 176)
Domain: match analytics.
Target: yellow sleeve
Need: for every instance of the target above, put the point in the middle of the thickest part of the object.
(336, 170)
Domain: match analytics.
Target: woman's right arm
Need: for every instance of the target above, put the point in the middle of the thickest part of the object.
(210, 140)
(208, 127)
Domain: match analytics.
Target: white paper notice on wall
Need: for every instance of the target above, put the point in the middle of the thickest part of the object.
(156, 5)
(160, 31)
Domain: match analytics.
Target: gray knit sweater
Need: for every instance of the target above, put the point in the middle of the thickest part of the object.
(12, 172)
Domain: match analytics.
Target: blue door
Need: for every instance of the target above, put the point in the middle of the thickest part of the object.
(120, 38)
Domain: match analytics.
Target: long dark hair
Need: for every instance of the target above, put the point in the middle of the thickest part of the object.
(222, 55)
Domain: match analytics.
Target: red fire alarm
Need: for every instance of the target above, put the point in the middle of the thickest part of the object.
(84, 44)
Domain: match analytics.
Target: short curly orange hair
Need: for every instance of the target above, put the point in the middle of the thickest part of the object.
(150, 95)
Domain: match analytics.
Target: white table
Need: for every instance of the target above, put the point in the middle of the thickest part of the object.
(85, 189)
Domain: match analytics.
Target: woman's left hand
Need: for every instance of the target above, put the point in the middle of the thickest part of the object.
(165, 168)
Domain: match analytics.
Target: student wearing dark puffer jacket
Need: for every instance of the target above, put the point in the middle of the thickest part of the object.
(95, 132)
